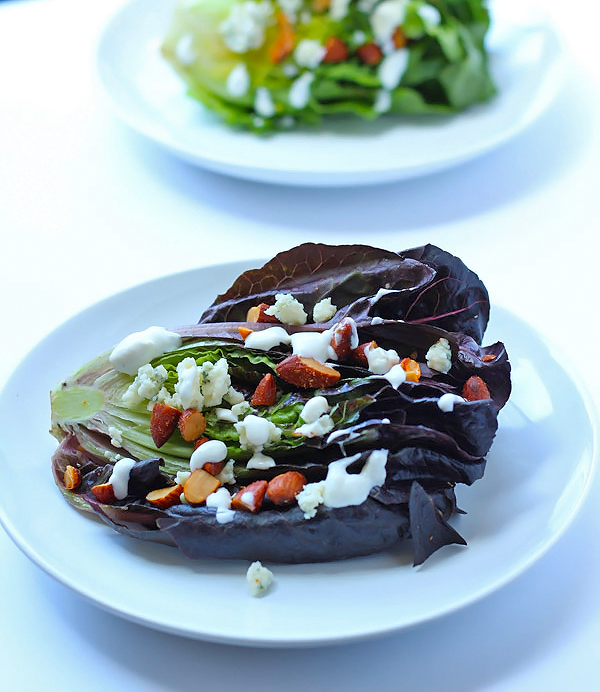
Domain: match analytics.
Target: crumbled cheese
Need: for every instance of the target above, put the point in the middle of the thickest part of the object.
(383, 101)
(140, 348)
(260, 461)
(210, 451)
(227, 475)
(310, 497)
(392, 67)
(119, 478)
(259, 578)
(290, 8)
(446, 402)
(116, 439)
(185, 51)
(187, 387)
(147, 384)
(263, 103)
(287, 121)
(255, 432)
(245, 27)
(287, 309)
(299, 93)
(239, 409)
(290, 70)
(386, 18)
(226, 415)
(317, 428)
(232, 396)
(439, 356)
(381, 361)
(366, 5)
(358, 37)
(309, 53)
(338, 9)
(182, 476)
(314, 408)
(266, 339)
(216, 382)
(429, 14)
(324, 310)
(238, 81)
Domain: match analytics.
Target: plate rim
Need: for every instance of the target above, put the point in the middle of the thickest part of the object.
(519, 567)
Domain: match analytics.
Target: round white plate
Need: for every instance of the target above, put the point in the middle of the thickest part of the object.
(538, 474)
(526, 61)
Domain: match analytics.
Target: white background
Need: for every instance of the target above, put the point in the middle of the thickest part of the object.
(88, 208)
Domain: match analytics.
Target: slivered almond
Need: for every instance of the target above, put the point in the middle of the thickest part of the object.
(191, 424)
(250, 498)
(163, 498)
(475, 389)
(282, 489)
(104, 493)
(265, 393)
(199, 486)
(306, 373)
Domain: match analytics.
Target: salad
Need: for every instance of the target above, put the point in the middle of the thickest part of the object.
(274, 64)
(324, 407)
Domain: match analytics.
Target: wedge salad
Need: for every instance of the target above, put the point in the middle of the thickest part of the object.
(276, 64)
(324, 407)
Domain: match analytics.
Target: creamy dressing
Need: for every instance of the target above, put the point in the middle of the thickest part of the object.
(119, 478)
(314, 408)
(263, 103)
(380, 293)
(340, 329)
(343, 489)
(221, 500)
(383, 101)
(317, 428)
(430, 15)
(238, 81)
(386, 17)
(395, 376)
(299, 93)
(309, 53)
(266, 339)
(315, 345)
(338, 9)
(140, 348)
(211, 451)
(446, 402)
(260, 461)
(392, 67)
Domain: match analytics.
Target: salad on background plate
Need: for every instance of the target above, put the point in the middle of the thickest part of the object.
(275, 64)
(324, 407)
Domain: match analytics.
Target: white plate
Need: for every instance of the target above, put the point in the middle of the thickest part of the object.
(527, 64)
(538, 474)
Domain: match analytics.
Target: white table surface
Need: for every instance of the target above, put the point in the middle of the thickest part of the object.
(88, 208)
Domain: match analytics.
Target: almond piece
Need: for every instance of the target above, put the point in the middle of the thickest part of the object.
(359, 355)
(282, 489)
(199, 486)
(341, 338)
(284, 42)
(411, 368)
(163, 422)
(258, 314)
(307, 373)
(336, 50)
(104, 493)
(214, 467)
(265, 393)
(191, 424)
(488, 357)
(370, 54)
(71, 477)
(163, 498)
(399, 38)
(250, 498)
(320, 5)
(475, 389)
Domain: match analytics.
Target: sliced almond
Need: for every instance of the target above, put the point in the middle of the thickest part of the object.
(191, 424)
(104, 493)
(250, 498)
(163, 498)
(199, 486)
(71, 477)
(307, 373)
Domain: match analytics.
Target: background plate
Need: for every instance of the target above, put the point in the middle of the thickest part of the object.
(538, 473)
(526, 60)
